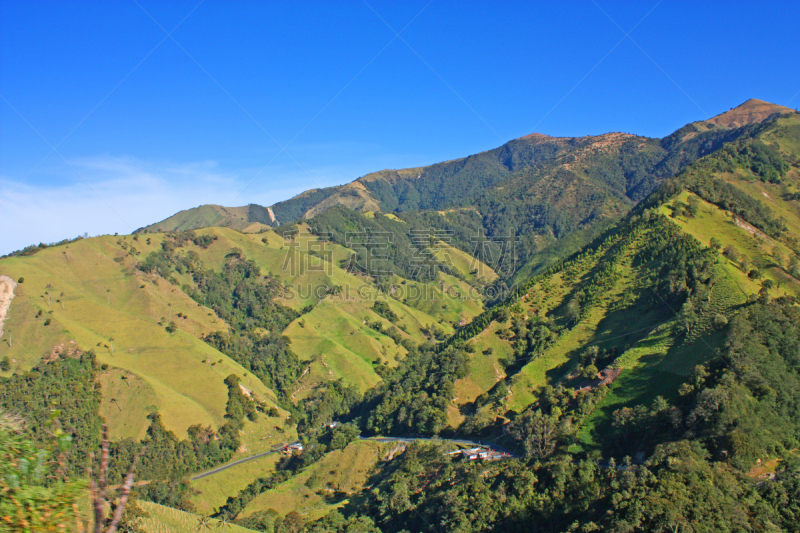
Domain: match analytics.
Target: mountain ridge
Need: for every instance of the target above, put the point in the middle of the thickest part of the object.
(674, 326)
(370, 192)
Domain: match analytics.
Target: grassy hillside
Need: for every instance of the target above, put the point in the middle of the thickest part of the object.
(161, 519)
(617, 306)
(90, 292)
(87, 294)
(586, 343)
(553, 194)
(652, 338)
(325, 485)
(250, 218)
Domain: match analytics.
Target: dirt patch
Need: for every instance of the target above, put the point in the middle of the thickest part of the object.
(750, 112)
(752, 229)
(7, 286)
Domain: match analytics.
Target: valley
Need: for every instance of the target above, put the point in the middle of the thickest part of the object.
(614, 310)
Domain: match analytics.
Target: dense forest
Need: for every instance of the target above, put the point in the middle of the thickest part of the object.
(741, 408)
(524, 191)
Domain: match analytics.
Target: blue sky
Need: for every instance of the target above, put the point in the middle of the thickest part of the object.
(153, 107)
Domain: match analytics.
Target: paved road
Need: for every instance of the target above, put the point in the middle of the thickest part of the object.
(461, 442)
(240, 461)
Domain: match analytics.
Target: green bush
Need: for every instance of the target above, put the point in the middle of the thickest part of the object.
(31, 502)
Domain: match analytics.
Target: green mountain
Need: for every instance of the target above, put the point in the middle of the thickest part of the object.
(249, 219)
(637, 353)
(537, 188)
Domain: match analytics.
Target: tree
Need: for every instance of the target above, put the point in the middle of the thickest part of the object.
(744, 262)
(694, 206)
(31, 499)
(573, 311)
(203, 523)
(731, 253)
(224, 522)
(5, 364)
(537, 433)
(688, 316)
(715, 244)
(777, 255)
(763, 296)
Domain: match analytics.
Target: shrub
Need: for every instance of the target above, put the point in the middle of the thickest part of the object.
(731, 253)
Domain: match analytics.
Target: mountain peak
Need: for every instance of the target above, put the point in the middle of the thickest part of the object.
(750, 112)
(537, 137)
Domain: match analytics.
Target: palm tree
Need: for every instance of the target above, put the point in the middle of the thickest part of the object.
(224, 522)
(203, 523)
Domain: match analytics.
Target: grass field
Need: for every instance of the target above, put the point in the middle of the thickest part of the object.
(206, 216)
(95, 299)
(127, 400)
(163, 519)
(213, 491)
(658, 364)
(91, 299)
(333, 337)
(712, 221)
(91, 293)
(325, 485)
(614, 320)
(641, 380)
(485, 369)
(261, 436)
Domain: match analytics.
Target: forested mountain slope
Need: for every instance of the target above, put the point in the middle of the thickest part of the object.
(539, 189)
(648, 381)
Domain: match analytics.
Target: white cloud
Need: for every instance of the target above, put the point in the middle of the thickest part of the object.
(121, 195)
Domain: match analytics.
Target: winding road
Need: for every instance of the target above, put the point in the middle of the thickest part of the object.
(460, 442)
